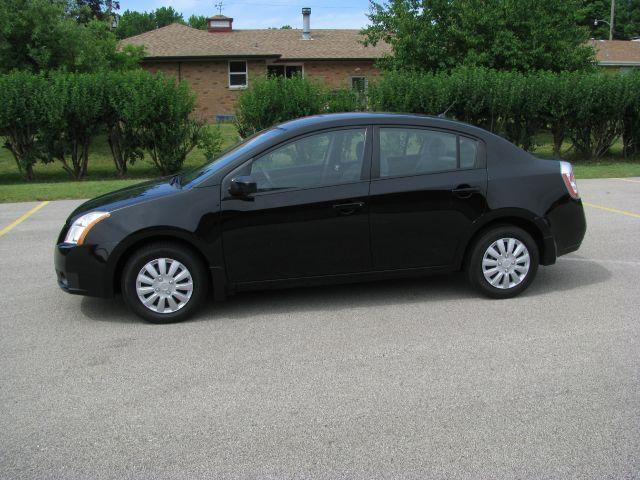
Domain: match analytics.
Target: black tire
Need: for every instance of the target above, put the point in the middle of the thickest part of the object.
(153, 251)
(474, 269)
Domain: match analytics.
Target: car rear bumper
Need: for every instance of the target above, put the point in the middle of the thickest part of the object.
(81, 270)
(568, 225)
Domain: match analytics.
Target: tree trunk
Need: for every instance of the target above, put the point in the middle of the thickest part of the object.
(558, 139)
(85, 158)
(116, 153)
(29, 175)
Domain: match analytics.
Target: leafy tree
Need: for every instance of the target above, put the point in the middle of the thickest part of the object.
(86, 10)
(627, 18)
(134, 23)
(38, 35)
(166, 16)
(35, 35)
(99, 50)
(197, 21)
(627, 24)
(521, 35)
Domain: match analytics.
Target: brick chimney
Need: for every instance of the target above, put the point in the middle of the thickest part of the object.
(219, 23)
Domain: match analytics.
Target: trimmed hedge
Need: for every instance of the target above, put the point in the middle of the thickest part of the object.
(55, 117)
(272, 100)
(593, 110)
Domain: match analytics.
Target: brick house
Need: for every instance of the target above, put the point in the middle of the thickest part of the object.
(617, 55)
(222, 61)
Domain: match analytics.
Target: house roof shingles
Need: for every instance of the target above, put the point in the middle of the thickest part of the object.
(617, 52)
(180, 41)
(176, 40)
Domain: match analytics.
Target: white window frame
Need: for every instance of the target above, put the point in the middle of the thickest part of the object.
(285, 65)
(246, 74)
(366, 81)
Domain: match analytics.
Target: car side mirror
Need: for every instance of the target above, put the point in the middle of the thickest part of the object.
(243, 186)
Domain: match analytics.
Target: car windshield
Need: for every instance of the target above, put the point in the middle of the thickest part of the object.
(229, 155)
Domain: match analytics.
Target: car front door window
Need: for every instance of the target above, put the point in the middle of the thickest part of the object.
(327, 158)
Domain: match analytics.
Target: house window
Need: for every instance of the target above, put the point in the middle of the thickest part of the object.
(359, 84)
(284, 70)
(238, 74)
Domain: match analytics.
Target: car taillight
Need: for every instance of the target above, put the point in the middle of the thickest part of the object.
(566, 170)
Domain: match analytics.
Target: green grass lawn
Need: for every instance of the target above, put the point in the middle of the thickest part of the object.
(53, 183)
(612, 166)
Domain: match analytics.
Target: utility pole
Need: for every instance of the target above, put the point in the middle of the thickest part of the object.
(611, 22)
(109, 14)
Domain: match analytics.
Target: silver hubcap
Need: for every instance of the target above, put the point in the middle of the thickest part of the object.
(164, 285)
(506, 263)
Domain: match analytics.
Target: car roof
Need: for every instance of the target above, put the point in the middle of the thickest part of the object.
(329, 120)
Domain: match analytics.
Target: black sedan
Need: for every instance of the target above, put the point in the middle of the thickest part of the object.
(330, 198)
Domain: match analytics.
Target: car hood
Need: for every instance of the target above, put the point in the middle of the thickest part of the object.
(128, 196)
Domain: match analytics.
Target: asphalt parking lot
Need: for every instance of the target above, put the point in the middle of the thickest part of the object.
(403, 379)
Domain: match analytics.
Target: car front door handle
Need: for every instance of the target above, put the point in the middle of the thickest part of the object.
(465, 191)
(348, 208)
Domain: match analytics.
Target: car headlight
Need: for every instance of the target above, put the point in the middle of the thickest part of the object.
(81, 227)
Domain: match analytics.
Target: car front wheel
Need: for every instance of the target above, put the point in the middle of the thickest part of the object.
(503, 262)
(164, 282)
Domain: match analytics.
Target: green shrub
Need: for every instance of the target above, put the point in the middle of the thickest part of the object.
(344, 100)
(557, 110)
(21, 115)
(599, 103)
(272, 100)
(75, 112)
(153, 113)
(124, 115)
(631, 118)
(168, 133)
(55, 118)
(591, 109)
(210, 141)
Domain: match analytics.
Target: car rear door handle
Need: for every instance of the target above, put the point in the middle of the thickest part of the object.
(348, 208)
(465, 191)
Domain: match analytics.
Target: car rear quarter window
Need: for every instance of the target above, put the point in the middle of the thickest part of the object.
(468, 152)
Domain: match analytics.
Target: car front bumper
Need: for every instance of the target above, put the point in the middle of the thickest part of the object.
(82, 270)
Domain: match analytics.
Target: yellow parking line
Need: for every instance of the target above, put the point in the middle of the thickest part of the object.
(17, 222)
(614, 210)
(629, 180)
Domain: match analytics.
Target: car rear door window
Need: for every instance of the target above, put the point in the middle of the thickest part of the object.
(417, 151)
(327, 158)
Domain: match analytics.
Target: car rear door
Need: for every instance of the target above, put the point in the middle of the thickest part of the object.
(428, 186)
(310, 215)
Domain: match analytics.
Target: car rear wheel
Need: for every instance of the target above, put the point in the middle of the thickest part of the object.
(503, 262)
(164, 282)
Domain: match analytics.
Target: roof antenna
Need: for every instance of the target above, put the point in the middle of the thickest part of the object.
(444, 114)
(219, 7)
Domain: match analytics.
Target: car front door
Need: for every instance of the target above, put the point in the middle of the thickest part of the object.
(309, 215)
(428, 187)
